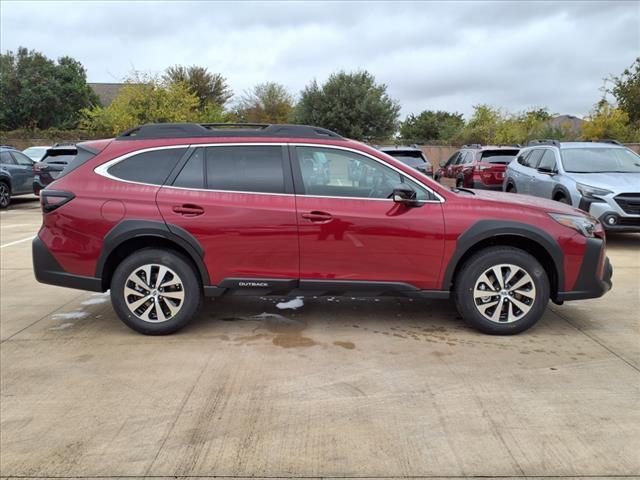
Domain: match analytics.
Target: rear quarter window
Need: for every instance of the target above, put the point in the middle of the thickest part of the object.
(152, 167)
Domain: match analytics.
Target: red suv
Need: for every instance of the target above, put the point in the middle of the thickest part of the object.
(164, 215)
(477, 166)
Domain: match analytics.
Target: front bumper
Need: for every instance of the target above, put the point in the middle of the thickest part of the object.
(607, 207)
(48, 270)
(594, 278)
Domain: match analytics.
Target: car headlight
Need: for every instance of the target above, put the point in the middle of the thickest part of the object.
(590, 192)
(584, 225)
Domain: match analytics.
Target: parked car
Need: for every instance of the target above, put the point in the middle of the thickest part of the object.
(36, 153)
(412, 156)
(166, 214)
(602, 178)
(478, 166)
(54, 161)
(16, 175)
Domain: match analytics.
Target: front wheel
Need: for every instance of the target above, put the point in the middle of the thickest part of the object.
(501, 290)
(155, 292)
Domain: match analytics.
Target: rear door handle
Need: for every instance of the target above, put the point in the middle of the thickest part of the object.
(188, 210)
(317, 217)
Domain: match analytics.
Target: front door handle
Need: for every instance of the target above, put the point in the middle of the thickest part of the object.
(188, 210)
(317, 217)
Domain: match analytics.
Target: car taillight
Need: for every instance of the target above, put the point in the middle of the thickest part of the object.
(53, 199)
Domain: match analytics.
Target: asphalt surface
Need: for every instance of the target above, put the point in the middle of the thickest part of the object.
(337, 388)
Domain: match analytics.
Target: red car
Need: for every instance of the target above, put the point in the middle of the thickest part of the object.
(477, 166)
(167, 214)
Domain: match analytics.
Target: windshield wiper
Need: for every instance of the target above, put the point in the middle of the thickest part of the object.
(458, 190)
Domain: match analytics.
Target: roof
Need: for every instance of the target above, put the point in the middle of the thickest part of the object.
(106, 92)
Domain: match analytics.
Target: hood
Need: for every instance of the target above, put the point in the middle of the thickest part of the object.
(526, 201)
(617, 182)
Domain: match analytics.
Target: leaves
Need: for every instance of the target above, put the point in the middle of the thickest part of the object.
(267, 102)
(431, 126)
(351, 104)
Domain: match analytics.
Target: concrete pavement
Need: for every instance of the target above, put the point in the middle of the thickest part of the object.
(337, 388)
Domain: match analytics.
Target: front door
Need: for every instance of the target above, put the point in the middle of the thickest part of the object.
(352, 230)
(238, 203)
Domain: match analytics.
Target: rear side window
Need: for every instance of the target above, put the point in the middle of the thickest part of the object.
(192, 174)
(151, 167)
(253, 168)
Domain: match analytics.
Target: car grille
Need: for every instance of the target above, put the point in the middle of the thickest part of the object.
(629, 202)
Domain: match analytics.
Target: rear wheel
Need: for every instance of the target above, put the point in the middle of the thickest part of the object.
(459, 183)
(511, 188)
(501, 290)
(5, 195)
(155, 292)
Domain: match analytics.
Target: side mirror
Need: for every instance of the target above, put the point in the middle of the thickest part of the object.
(404, 194)
(547, 171)
(442, 163)
(55, 168)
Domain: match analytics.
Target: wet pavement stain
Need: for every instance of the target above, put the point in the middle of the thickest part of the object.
(347, 345)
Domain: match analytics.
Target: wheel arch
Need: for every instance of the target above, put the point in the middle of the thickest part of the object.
(129, 236)
(560, 190)
(489, 233)
(5, 178)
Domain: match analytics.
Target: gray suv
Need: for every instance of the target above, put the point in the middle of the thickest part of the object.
(602, 178)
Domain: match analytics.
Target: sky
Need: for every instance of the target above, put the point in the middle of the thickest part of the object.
(431, 55)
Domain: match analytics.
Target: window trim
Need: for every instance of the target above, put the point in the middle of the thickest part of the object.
(102, 169)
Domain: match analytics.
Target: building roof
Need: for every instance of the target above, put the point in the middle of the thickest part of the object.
(573, 124)
(106, 92)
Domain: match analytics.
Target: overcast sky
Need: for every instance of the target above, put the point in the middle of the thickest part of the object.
(432, 55)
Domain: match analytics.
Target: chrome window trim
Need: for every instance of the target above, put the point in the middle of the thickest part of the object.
(103, 169)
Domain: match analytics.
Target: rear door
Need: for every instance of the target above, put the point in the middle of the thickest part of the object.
(528, 172)
(351, 229)
(238, 202)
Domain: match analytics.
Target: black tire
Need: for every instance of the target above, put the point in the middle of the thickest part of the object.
(5, 194)
(511, 188)
(190, 288)
(476, 266)
(459, 183)
(563, 199)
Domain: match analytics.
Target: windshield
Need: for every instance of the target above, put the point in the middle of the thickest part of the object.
(600, 160)
(499, 156)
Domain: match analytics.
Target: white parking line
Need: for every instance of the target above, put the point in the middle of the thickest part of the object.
(18, 241)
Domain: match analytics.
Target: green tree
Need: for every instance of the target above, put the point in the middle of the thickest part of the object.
(146, 99)
(430, 125)
(352, 104)
(608, 122)
(36, 92)
(626, 90)
(267, 102)
(210, 88)
(483, 125)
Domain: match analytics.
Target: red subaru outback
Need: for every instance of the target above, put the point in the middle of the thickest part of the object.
(165, 215)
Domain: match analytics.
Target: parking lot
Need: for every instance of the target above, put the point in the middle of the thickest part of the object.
(337, 388)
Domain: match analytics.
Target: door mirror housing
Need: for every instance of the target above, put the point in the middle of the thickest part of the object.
(547, 171)
(405, 195)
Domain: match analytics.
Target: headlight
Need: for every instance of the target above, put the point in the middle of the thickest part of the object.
(584, 225)
(591, 192)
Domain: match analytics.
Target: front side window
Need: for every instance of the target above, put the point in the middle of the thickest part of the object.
(598, 160)
(452, 159)
(6, 158)
(534, 158)
(151, 167)
(251, 168)
(22, 159)
(548, 161)
(330, 172)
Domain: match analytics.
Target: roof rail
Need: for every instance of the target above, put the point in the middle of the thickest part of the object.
(608, 140)
(472, 145)
(194, 130)
(544, 141)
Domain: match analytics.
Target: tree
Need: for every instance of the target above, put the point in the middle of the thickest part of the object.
(266, 103)
(352, 104)
(430, 125)
(146, 99)
(608, 122)
(626, 90)
(209, 88)
(38, 92)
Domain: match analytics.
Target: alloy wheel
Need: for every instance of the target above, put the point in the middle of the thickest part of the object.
(154, 293)
(504, 293)
(4, 195)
